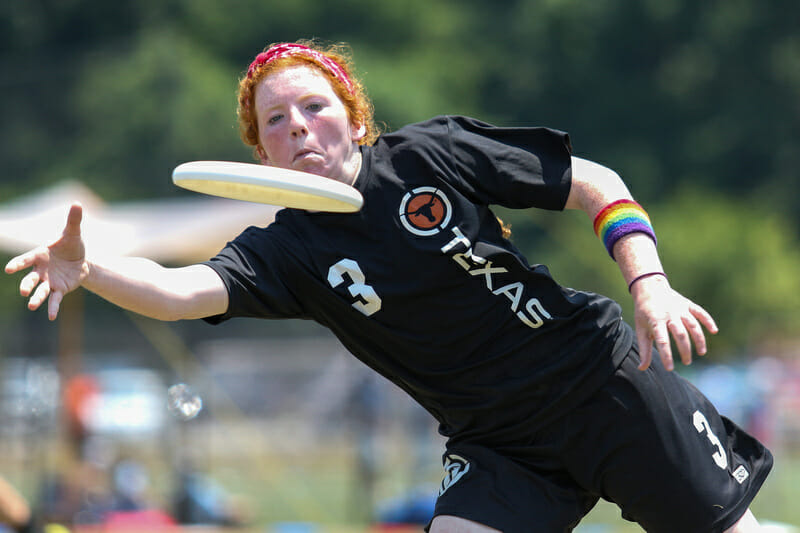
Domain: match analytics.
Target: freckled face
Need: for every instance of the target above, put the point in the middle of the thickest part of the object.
(303, 125)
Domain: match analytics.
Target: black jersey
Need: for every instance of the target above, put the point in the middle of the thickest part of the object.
(421, 285)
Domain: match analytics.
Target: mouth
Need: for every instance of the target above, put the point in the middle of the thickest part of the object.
(302, 154)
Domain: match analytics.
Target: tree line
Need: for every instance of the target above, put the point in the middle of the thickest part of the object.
(695, 104)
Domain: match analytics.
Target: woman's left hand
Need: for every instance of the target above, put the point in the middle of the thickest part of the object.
(661, 313)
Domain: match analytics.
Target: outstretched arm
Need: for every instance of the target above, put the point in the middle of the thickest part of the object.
(660, 311)
(136, 284)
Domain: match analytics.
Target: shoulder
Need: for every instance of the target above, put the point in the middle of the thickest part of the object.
(272, 240)
(465, 129)
(434, 135)
(438, 125)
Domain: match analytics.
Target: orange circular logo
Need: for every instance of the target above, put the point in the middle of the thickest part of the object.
(425, 211)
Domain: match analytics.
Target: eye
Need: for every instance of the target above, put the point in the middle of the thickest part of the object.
(315, 107)
(274, 119)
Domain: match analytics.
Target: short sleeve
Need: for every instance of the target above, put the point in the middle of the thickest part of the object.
(512, 167)
(255, 270)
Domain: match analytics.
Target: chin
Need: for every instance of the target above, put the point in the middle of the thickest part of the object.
(313, 169)
(325, 173)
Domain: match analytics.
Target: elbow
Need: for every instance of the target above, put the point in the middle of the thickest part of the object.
(172, 308)
(170, 317)
(194, 305)
(191, 294)
(594, 186)
(166, 314)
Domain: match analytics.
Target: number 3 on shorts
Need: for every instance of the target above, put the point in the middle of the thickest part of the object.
(701, 425)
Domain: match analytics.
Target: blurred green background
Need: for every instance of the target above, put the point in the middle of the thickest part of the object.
(695, 104)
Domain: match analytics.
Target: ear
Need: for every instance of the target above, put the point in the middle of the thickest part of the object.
(262, 155)
(358, 131)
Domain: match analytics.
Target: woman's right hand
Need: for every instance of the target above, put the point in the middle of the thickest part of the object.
(56, 269)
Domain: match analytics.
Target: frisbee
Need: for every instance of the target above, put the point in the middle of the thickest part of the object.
(267, 185)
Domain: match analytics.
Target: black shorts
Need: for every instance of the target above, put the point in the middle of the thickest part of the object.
(649, 442)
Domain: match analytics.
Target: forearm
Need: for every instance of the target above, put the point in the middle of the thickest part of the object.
(636, 255)
(147, 288)
(660, 313)
(593, 188)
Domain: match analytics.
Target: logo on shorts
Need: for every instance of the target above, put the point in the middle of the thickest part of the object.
(740, 474)
(455, 467)
(425, 211)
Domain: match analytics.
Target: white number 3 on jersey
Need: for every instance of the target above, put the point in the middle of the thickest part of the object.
(369, 302)
(701, 425)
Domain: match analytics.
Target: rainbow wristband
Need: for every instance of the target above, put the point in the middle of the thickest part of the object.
(620, 218)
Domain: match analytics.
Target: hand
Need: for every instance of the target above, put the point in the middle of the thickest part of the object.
(661, 312)
(57, 269)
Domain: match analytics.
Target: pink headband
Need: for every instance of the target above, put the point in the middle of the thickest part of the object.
(279, 51)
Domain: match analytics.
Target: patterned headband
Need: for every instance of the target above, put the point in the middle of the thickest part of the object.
(282, 50)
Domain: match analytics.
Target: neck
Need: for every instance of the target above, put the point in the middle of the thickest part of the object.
(352, 167)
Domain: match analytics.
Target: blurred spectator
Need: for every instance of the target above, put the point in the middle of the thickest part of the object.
(199, 500)
(15, 512)
(414, 508)
(129, 484)
(79, 393)
(77, 496)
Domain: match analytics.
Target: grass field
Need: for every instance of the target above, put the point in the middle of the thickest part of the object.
(310, 498)
(324, 498)
(311, 491)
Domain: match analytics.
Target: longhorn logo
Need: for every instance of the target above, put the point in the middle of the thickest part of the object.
(425, 211)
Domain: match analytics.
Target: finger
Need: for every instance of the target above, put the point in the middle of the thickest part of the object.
(73, 227)
(28, 283)
(696, 332)
(661, 338)
(39, 296)
(21, 262)
(11, 266)
(645, 342)
(53, 304)
(682, 340)
(704, 317)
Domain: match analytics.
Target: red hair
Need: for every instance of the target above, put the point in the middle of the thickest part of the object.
(334, 62)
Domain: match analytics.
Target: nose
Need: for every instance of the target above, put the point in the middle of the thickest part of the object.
(297, 123)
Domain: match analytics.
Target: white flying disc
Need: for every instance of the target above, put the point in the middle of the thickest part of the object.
(267, 185)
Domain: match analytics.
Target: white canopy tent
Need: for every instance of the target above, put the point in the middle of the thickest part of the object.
(175, 230)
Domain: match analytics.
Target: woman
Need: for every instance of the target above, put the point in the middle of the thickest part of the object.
(548, 400)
